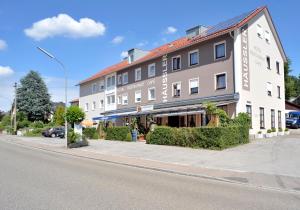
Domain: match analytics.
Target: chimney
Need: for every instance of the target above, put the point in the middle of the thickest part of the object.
(195, 31)
(135, 54)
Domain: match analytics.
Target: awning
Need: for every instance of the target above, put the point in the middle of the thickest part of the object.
(179, 113)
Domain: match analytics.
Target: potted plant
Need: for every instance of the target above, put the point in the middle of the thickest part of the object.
(141, 137)
(274, 132)
(134, 129)
(259, 135)
(286, 131)
(269, 133)
(280, 132)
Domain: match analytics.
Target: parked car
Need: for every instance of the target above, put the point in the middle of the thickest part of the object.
(293, 120)
(54, 132)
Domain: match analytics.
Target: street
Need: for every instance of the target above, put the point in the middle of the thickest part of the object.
(36, 179)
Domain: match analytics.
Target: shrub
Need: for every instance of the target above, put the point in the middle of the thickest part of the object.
(269, 131)
(34, 132)
(273, 129)
(242, 119)
(280, 129)
(204, 137)
(117, 133)
(37, 124)
(90, 133)
(259, 132)
(286, 129)
(128, 137)
(23, 124)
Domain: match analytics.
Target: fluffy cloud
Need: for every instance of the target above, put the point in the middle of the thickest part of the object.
(170, 30)
(118, 40)
(3, 45)
(64, 25)
(124, 54)
(5, 71)
(142, 44)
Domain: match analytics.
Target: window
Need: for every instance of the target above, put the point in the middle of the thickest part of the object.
(101, 103)
(151, 70)
(138, 74)
(269, 88)
(249, 112)
(125, 78)
(220, 50)
(119, 99)
(278, 92)
(110, 81)
(101, 85)
(194, 86)
(124, 99)
(193, 57)
(176, 88)
(268, 62)
(119, 79)
(138, 96)
(94, 105)
(176, 63)
(151, 93)
(259, 31)
(278, 67)
(279, 120)
(113, 80)
(86, 107)
(272, 118)
(110, 99)
(267, 36)
(221, 81)
(262, 117)
(191, 120)
(95, 87)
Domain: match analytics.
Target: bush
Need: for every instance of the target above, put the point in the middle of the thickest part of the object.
(273, 130)
(269, 131)
(23, 124)
(90, 133)
(204, 137)
(34, 132)
(117, 133)
(37, 124)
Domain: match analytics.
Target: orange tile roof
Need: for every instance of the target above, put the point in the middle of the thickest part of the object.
(171, 47)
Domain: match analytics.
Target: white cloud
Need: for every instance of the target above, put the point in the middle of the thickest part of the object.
(118, 40)
(142, 44)
(170, 30)
(64, 25)
(3, 45)
(6, 71)
(124, 54)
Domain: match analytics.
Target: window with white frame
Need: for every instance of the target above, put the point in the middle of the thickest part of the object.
(278, 92)
(221, 81)
(176, 63)
(113, 80)
(176, 89)
(95, 87)
(151, 93)
(194, 86)
(138, 74)
(119, 99)
(125, 78)
(110, 99)
(278, 67)
(151, 70)
(119, 79)
(267, 36)
(138, 96)
(110, 81)
(101, 85)
(125, 99)
(94, 105)
(269, 88)
(101, 105)
(220, 50)
(194, 57)
(259, 31)
(86, 107)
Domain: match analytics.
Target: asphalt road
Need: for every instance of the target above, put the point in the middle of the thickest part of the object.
(36, 179)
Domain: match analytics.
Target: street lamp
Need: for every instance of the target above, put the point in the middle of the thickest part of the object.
(66, 83)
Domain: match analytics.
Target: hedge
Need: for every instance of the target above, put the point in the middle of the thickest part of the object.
(204, 137)
(91, 133)
(121, 133)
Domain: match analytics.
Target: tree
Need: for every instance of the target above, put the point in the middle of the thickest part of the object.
(74, 115)
(59, 118)
(33, 98)
(292, 83)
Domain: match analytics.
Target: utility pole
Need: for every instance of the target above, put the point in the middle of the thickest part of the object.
(15, 110)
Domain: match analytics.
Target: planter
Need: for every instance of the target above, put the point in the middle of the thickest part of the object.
(274, 134)
(259, 136)
(269, 135)
(141, 138)
(78, 144)
(281, 133)
(287, 132)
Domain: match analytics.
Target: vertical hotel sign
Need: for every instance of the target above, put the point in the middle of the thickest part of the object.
(164, 92)
(245, 58)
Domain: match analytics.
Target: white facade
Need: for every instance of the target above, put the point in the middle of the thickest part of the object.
(110, 92)
(262, 43)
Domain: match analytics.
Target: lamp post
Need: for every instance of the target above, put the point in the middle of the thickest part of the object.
(66, 83)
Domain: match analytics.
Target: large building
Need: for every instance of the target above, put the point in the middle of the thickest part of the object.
(237, 64)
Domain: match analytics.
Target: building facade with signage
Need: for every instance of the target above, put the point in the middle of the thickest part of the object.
(237, 64)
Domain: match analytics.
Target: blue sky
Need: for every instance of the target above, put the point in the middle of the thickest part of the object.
(112, 27)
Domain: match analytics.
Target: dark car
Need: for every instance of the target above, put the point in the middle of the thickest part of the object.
(293, 120)
(54, 132)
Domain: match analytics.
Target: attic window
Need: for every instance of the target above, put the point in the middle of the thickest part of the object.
(267, 36)
(259, 31)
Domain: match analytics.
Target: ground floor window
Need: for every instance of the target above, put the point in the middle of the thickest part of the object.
(249, 112)
(191, 120)
(279, 120)
(272, 118)
(262, 117)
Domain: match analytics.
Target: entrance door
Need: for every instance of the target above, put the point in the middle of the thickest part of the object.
(173, 121)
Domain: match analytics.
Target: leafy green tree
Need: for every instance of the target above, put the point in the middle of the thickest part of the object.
(59, 115)
(74, 115)
(292, 88)
(33, 97)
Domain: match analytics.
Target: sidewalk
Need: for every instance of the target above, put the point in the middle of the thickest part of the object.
(266, 163)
